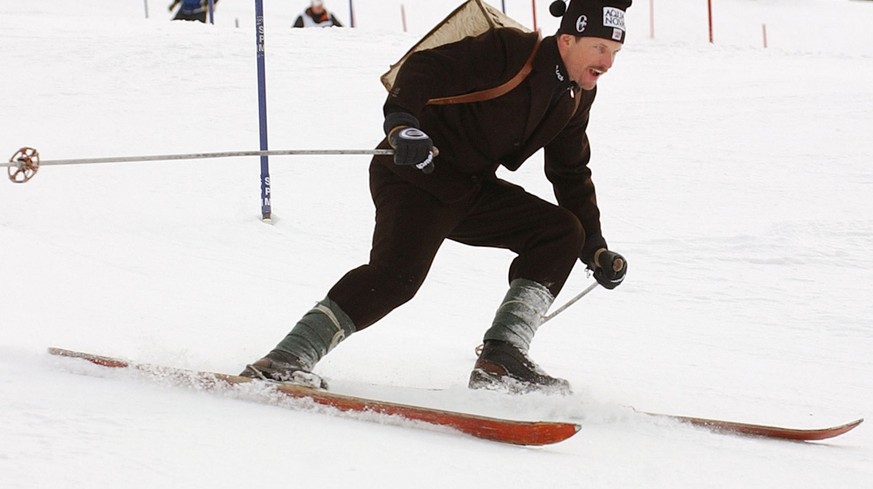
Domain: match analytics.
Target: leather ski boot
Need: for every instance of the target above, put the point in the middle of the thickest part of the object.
(502, 366)
(279, 366)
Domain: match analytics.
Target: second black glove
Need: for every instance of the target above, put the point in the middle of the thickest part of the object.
(609, 268)
(412, 146)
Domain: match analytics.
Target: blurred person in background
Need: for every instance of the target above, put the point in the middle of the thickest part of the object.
(191, 9)
(316, 16)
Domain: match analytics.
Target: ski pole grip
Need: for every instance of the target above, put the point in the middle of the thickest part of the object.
(617, 265)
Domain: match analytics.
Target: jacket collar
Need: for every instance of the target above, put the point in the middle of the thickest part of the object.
(549, 60)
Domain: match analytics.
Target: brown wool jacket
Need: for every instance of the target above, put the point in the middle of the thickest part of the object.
(546, 110)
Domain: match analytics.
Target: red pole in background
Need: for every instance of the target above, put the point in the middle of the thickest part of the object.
(403, 16)
(652, 19)
(709, 8)
(534, 7)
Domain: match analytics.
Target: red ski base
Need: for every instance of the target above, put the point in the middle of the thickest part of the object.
(500, 430)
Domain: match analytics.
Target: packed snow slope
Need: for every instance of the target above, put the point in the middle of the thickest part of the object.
(737, 181)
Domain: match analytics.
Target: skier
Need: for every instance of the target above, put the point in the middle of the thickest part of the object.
(316, 16)
(191, 9)
(423, 197)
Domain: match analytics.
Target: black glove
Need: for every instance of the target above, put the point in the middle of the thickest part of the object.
(609, 268)
(411, 145)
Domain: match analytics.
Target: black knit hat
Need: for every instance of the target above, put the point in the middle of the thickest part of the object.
(592, 18)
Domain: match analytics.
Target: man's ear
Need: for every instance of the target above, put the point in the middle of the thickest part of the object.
(564, 42)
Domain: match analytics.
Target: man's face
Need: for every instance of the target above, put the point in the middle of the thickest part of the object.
(587, 58)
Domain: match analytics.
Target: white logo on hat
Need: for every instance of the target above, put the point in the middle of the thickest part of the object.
(613, 17)
(581, 22)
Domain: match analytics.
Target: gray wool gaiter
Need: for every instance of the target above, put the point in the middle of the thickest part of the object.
(317, 333)
(520, 314)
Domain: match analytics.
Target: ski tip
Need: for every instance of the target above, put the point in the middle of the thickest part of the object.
(848, 426)
(95, 359)
(826, 433)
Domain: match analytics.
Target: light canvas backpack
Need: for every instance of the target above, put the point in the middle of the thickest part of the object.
(472, 18)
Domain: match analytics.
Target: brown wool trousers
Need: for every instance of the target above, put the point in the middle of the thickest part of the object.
(411, 225)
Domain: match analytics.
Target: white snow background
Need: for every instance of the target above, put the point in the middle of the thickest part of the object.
(737, 181)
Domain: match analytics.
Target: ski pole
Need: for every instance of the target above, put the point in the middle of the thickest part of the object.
(570, 302)
(617, 266)
(24, 164)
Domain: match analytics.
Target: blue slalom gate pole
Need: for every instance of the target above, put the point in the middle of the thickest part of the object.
(266, 207)
(211, 11)
(351, 14)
